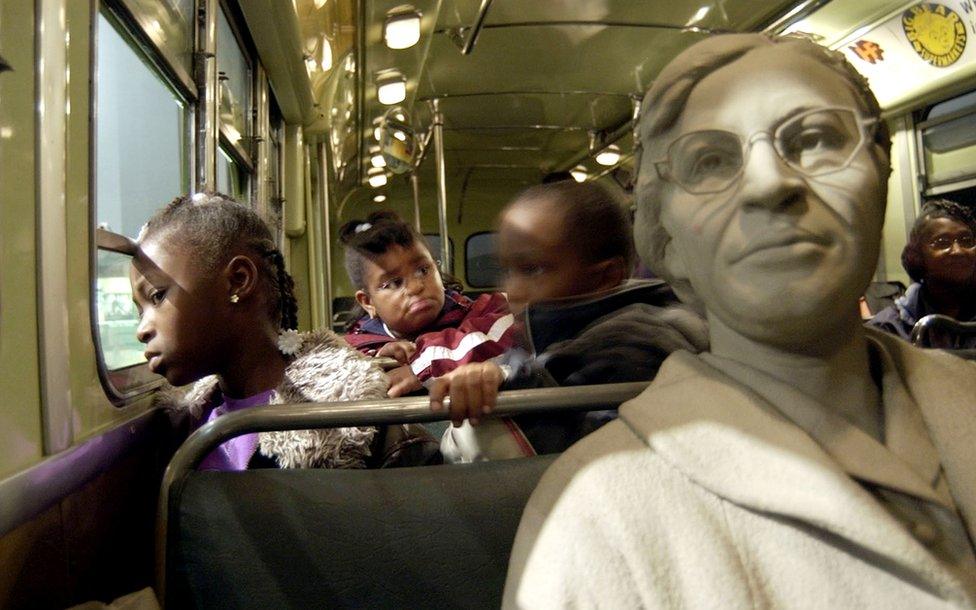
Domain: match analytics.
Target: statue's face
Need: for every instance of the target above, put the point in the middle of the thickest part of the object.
(780, 250)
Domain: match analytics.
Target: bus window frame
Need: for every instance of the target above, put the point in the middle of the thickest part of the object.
(135, 27)
(127, 384)
(467, 260)
(927, 187)
(241, 151)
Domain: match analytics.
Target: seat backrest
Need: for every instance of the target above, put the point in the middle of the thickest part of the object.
(946, 333)
(879, 295)
(427, 537)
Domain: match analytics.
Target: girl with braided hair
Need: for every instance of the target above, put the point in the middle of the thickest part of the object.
(217, 308)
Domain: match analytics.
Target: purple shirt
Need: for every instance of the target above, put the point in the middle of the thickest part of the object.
(237, 452)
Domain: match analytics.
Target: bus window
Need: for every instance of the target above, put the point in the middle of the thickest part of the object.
(140, 123)
(117, 315)
(235, 82)
(481, 268)
(232, 176)
(235, 103)
(140, 163)
(948, 137)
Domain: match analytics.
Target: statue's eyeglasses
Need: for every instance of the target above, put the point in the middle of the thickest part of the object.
(815, 142)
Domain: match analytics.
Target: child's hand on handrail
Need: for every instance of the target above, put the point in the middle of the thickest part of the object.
(402, 381)
(473, 389)
(398, 350)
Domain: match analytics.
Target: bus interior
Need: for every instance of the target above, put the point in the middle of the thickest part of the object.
(317, 112)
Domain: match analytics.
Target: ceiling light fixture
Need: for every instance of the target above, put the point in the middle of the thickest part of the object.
(391, 88)
(609, 155)
(579, 173)
(402, 30)
(326, 54)
(376, 177)
(379, 198)
(376, 158)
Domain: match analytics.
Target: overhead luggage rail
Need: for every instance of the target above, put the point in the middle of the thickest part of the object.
(359, 413)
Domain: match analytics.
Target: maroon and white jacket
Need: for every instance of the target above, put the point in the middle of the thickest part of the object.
(465, 331)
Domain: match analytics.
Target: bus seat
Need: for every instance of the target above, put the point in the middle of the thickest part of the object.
(342, 308)
(943, 332)
(436, 536)
(879, 295)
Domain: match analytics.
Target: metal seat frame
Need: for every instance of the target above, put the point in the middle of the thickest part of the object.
(306, 416)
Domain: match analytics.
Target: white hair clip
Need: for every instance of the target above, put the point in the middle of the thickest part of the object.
(363, 227)
(198, 197)
(289, 342)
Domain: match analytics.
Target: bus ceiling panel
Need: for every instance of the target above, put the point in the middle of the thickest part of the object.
(516, 139)
(578, 109)
(557, 147)
(466, 158)
(725, 15)
(547, 158)
(278, 40)
(457, 172)
(619, 60)
(839, 19)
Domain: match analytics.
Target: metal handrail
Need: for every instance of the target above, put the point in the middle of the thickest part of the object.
(922, 328)
(475, 30)
(306, 416)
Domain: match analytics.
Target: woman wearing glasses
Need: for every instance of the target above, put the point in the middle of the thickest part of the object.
(804, 461)
(940, 257)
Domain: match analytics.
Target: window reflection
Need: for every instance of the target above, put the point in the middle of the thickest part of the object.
(235, 82)
(117, 315)
(232, 179)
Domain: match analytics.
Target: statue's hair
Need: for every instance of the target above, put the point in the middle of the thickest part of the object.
(215, 228)
(598, 227)
(666, 99)
(911, 255)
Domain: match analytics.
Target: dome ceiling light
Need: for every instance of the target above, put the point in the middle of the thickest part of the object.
(609, 155)
(391, 88)
(402, 29)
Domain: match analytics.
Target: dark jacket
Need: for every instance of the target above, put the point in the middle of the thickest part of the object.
(899, 319)
(615, 337)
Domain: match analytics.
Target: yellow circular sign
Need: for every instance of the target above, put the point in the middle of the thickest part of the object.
(936, 32)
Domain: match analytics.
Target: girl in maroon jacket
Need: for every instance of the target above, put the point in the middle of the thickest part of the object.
(409, 315)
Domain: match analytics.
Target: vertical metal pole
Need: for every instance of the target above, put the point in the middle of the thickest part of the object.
(479, 22)
(294, 205)
(438, 128)
(415, 183)
(326, 239)
(51, 212)
(262, 147)
(206, 80)
(311, 233)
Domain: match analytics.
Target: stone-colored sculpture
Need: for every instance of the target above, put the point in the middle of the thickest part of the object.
(804, 461)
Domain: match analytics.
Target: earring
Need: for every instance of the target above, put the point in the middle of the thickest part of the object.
(234, 298)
